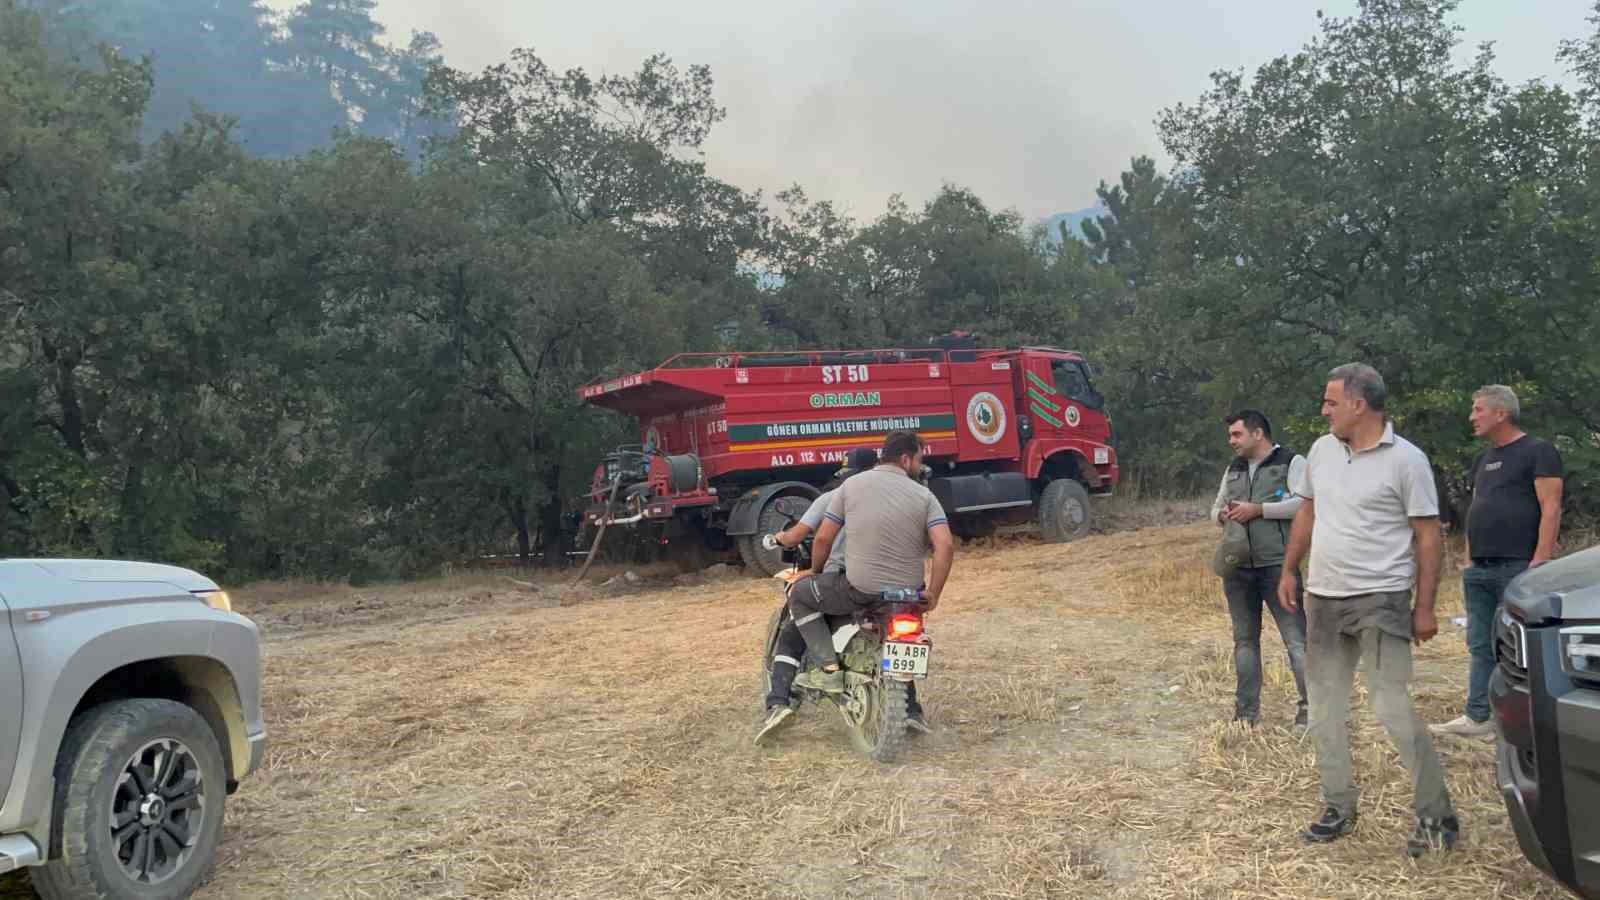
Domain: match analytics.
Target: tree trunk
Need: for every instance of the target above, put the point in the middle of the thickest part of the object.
(13, 495)
(128, 539)
(67, 399)
(552, 527)
(519, 519)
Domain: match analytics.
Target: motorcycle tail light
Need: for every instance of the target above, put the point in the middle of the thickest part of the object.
(904, 626)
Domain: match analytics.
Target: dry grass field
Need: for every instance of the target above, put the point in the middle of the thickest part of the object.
(466, 737)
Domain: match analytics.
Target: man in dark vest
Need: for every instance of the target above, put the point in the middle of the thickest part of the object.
(1256, 506)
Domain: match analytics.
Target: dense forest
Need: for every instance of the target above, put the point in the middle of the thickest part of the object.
(278, 297)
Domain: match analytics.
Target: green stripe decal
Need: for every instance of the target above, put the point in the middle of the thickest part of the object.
(1044, 401)
(1038, 411)
(1043, 385)
(825, 428)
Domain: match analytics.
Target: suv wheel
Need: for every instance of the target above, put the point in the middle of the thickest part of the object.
(140, 787)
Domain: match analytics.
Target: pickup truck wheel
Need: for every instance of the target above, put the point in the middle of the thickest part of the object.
(1063, 511)
(140, 789)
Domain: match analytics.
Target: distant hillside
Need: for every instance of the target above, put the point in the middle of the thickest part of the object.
(1072, 220)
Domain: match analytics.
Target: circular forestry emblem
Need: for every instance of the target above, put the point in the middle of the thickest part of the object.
(986, 417)
(1073, 416)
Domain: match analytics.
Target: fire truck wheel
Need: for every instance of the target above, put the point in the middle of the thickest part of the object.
(1064, 511)
(775, 517)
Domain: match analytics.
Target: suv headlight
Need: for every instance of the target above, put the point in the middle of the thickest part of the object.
(1580, 651)
(216, 600)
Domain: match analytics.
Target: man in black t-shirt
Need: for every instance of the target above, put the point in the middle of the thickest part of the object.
(1511, 527)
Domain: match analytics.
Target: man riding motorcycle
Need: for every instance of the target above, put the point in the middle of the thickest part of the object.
(859, 460)
(899, 520)
(791, 646)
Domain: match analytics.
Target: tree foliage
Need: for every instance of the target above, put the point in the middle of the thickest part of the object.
(292, 81)
(1368, 198)
(230, 340)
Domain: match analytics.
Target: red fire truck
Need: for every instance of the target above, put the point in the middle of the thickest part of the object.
(735, 445)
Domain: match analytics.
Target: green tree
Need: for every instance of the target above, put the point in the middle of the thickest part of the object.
(334, 53)
(909, 275)
(1125, 235)
(69, 135)
(1368, 198)
(556, 237)
(291, 82)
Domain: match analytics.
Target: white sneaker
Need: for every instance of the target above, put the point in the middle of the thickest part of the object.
(1461, 726)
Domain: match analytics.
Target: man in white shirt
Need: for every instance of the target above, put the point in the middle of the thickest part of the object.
(1371, 522)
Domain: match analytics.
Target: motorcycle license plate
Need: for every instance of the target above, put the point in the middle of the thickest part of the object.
(906, 659)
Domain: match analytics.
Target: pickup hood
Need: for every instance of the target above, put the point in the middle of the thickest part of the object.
(1568, 588)
(125, 572)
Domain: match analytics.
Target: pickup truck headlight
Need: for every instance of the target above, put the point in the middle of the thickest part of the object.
(216, 599)
(1580, 651)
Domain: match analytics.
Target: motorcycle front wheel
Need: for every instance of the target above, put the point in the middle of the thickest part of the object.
(768, 647)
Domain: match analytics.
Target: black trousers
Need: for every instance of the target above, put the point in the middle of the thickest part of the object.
(814, 597)
(811, 601)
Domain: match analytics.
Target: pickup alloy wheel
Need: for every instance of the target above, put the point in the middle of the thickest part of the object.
(139, 804)
(157, 811)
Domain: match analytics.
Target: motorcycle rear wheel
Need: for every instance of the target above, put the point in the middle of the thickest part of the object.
(881, 729)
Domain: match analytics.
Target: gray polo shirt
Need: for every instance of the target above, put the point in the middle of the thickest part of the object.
(1362, 542)
(889, 516)
(813, 520)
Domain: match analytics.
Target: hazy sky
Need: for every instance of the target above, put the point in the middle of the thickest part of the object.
(1031, 104)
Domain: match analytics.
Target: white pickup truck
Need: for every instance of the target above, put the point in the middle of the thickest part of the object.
(130, 707)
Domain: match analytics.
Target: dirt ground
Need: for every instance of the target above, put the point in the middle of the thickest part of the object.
(467, 737)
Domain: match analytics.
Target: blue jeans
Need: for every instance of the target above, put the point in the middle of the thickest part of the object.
(1482, 585)
(1248, 590)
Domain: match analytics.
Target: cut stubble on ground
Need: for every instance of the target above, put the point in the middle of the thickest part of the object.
(468, 738)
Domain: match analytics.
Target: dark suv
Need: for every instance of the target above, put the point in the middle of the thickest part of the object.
(1546, 697)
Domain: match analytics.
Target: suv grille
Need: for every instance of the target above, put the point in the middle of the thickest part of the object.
(1511, 646)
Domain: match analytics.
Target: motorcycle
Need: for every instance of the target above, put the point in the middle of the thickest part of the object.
(882, 648)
